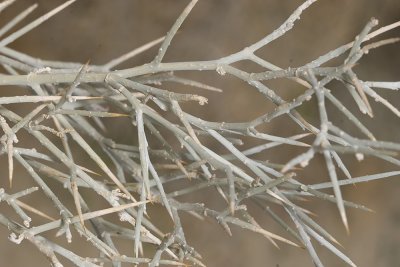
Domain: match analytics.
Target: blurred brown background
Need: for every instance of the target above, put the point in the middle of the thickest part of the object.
(101, 30)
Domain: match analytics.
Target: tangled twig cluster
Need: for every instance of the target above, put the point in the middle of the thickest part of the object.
(72, 100)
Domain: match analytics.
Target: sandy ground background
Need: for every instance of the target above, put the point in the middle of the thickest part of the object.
(101, 30)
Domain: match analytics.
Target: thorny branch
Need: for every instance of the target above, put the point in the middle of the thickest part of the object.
(76, 97)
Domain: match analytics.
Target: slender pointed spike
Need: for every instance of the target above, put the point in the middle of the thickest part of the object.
(17, 19)
(10, 162)
(380, 43)
(67, 94)
(143, 150)
(361, 37)
(305, 237)
(117, 61)
(382, 100)
(260, 230)
(138, 223)
(307, 220)
(354, 180)
(341, 165)
(182, 168)
(302, 159)
(329, 246)
(285, 27)
(251, 220)
(17, 34)
(164, 198)
(27, 118)
(194, 84)
(357, 84)
(180, 114)
(33, 210)
(7, 140)
(75, 194)
(99, 213)
(168, 38)
(282, 223)
(349, 115)
(5, 4)
(232, 191)
(89, 113)
(336, 189)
